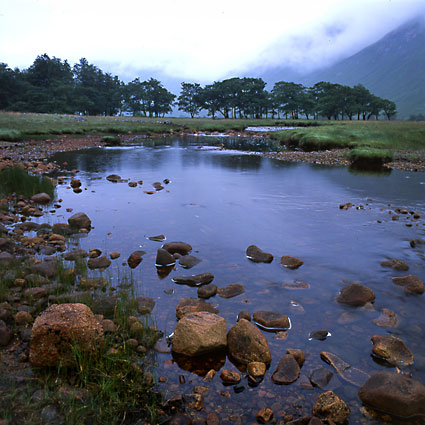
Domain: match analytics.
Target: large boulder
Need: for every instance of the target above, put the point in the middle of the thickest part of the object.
(247, 344)
(355, 295)
(199, 333)
(394, 393)
(60, 328)
(79, 221)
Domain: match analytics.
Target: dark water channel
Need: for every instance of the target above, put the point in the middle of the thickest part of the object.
(223, 201)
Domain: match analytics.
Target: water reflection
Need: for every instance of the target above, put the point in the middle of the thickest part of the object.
(221, 202)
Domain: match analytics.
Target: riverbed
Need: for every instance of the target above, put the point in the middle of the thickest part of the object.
(220, 202)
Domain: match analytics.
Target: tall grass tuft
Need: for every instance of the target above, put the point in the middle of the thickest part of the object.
(19, 181)
(369, 157)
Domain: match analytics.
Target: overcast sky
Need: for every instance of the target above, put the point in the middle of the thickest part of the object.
(195, 40)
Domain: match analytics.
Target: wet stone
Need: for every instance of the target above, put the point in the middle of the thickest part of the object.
(257, 370)
(271, 321)
(192, 305)
(287, 371)
(264, 415)
(164, 258)
(411, 283)
(114, 178)
(99, 263)
(182, 248)
(232, 290)
(291, 262)
(207, 291)
(244, 314)
(195, 280)
(157, 238)
(189, 261)
(320, 377)
(395, 264)
(329, 406)
(230, 377)
(135, 258)
(319, 335)
(392, 349)
(298, 355)
(387, 318)
(296, 285)
(145, 305)
(193, 401)
(355, 295)
(75, 255)
(256, 255)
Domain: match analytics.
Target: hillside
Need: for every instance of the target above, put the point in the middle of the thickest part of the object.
(392, 68)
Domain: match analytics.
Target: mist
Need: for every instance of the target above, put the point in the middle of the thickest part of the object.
(195, 41)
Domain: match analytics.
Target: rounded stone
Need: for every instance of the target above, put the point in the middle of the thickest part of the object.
(329, 406)
(355, 295)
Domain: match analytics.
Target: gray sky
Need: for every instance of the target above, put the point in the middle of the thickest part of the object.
(195, 40)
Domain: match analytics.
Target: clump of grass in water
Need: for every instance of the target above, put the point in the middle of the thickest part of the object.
(369, 157)
(9, 135)
(19, 181)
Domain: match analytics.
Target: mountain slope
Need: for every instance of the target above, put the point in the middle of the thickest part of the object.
(392, 68)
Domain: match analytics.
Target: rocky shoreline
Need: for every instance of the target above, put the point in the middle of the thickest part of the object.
(41, 150)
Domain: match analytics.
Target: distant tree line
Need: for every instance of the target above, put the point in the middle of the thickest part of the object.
(51, 85)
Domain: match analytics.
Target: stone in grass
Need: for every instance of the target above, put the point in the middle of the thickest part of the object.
(58, 329)
(256, 255)
(199, 333)
(355, 295)
(329, 406)
(394, 393)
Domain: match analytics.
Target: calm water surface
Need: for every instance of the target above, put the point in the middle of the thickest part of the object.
(223, 201)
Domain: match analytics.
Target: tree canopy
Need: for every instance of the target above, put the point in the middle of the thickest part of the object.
(51, 85)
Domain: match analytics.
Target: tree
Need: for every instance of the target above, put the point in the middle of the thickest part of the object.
(389, 108)
(189, 100)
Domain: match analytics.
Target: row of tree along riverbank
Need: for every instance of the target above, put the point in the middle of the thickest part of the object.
(51, 85)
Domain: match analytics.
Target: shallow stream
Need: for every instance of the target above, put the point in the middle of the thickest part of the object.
(222, 201)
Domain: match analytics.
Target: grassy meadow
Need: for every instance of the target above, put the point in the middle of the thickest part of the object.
(313, 135)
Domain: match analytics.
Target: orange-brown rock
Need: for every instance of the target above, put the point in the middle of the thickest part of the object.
(58, 329)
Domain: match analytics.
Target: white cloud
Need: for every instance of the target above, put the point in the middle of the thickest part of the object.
(194, 39)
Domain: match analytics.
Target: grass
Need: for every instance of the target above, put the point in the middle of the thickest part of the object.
(396, 135)
(19, 181)
(370, 157)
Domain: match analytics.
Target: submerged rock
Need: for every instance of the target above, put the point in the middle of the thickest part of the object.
(387, 318)
(411, 283)
(247, 344)
(291, 262)
(392, 349)
(193, 305)
(329, 406)
(114, 178)
(182, 248)
(320, 377)
(271, 321)
(395, 264)
(80, 221)
(145, 305)
(394, 393)
(287, 371)
(256, 255)
(135, 258)
(164, 258)
(320, 334)
(199, 333)
(232, 290)
(99, 262)
(355, 295)
(194, 280)
(189, 261)
(350, 374)
(207, 291)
